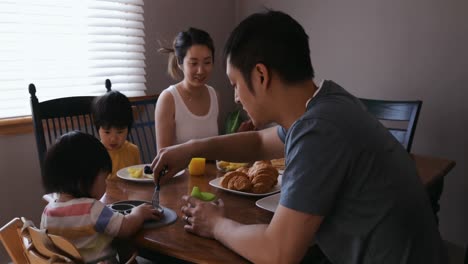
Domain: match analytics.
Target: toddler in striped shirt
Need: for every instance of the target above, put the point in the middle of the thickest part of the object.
(76, 168)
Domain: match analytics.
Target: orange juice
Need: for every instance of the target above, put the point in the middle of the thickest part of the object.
(197, 166)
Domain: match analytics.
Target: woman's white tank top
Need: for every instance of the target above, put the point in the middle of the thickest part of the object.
(189, 126)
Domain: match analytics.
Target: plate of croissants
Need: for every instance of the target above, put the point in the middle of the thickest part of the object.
(259, 180)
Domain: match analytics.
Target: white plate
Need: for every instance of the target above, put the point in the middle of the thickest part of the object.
(124, 174)
(269, 203)
(217, 183)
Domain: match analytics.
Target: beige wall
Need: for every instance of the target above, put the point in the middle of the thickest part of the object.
(399, 50)
(20, 185)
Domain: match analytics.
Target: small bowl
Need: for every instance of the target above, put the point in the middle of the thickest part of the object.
(123, 208)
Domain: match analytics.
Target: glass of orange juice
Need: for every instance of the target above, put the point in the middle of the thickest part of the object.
(197, 166)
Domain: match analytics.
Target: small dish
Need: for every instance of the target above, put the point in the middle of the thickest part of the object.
(122, 207)
(125, 174)
(269, 203)
(217, 184)
(125, 207)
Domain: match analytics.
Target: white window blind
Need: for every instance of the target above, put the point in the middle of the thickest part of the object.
(69, 48)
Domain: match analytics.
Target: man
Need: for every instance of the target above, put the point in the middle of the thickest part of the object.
(349, 186)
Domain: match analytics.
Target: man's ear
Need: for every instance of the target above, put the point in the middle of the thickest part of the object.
(261, 74)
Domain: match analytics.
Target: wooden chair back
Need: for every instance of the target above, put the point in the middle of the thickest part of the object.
(46, 247)
(10, 235)
(400, 117)
(26, 243)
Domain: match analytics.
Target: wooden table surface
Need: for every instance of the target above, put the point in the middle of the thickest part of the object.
(174, 241)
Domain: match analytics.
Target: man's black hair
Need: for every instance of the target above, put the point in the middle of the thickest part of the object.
(274, 39)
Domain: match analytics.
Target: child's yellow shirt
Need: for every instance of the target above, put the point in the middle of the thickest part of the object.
(125, 156)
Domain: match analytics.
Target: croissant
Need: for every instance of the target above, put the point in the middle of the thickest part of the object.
(263, 169)
(244, 170)
(240, 183)
(236, 180)
(260, 178)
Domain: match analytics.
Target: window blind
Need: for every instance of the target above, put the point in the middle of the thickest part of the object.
(69, 48)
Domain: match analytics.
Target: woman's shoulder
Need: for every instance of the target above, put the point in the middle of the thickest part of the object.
(213, 91)
(168, 93)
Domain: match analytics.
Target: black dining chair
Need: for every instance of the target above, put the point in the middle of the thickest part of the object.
(400, 117)
(143, 130)
(52, 118)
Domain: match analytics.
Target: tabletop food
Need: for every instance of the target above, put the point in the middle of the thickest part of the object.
(260, 178)
(197, 166)
(278, 163)
(204, 196)
(230, 166)
(138, 173)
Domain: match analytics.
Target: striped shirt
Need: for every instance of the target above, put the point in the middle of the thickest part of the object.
(87, 223)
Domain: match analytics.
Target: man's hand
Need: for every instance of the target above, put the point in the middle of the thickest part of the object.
(174, 159)
(202, 217)
(246, 126)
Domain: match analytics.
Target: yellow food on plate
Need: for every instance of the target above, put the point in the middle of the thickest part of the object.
(230, 166)
(278, 163)
(135, 172)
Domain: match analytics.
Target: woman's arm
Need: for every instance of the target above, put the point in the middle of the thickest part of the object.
(164, 117)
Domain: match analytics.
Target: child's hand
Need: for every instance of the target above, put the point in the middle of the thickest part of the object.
(146, 212)
(134, 221)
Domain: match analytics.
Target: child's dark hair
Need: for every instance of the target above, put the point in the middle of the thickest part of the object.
(72, 164)
(274, 39)
(112, 109)
(182, 42)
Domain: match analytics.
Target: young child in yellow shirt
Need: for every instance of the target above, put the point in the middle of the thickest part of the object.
(113, 118)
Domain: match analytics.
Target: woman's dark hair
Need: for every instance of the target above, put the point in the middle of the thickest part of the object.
(72, 164)
(113, 109)
(274, 39)
(182, 42)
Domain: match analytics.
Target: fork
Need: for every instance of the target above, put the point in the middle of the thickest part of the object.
(155, 200)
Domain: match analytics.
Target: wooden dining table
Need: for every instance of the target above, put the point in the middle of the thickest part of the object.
(173, 241)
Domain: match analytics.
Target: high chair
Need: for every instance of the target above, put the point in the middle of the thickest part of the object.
(26, 243)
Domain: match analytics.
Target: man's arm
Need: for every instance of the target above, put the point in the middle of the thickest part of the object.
(237, 147)
(285, 240)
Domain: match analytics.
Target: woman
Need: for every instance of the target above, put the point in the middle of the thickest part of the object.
(189, 109)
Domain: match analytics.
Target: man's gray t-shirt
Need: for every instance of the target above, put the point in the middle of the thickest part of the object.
(342, 164)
